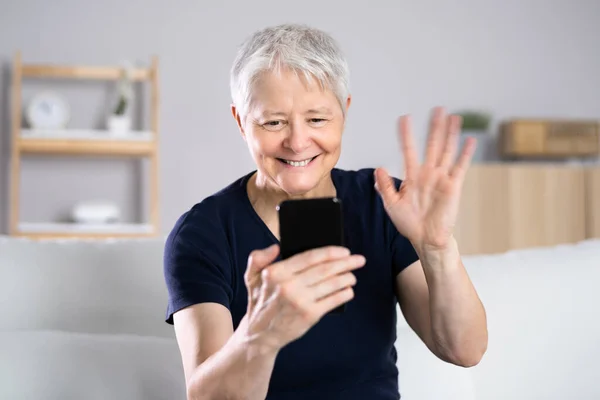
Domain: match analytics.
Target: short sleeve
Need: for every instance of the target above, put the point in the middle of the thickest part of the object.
(403, 252)
(196, 264)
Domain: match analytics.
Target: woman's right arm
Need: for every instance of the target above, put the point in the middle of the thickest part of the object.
(218, 363)
(285, 300)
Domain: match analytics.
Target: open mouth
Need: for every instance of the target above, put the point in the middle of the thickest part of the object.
(299, 163)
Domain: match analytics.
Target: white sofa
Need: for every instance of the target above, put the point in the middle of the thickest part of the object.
(84, 320)
(543, 308)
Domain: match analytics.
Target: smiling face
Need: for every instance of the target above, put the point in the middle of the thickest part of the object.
(294, 132)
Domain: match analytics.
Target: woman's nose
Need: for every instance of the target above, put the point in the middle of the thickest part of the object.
(298, 139)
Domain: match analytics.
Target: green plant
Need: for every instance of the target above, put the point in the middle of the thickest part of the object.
(475, 121)
(121, 106)
(125, 92)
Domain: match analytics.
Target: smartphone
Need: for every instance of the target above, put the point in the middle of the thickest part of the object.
(306, 224)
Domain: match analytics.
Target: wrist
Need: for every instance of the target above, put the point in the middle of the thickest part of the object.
(258, 349)
(438, 256)
(255, 344)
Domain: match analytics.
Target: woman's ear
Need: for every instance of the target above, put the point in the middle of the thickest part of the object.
(348, 101)
(238, 119)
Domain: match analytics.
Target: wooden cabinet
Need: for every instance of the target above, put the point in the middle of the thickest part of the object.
(520, 205)
(592, 184)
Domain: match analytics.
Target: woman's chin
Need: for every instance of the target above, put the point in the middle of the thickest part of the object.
(298, 189)
(298, 185)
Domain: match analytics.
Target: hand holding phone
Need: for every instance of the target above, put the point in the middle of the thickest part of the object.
(287, 297)
(307, 224)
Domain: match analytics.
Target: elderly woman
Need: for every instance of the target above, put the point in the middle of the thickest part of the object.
(252, 326)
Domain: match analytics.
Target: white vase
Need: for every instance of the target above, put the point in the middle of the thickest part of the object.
(119, 124)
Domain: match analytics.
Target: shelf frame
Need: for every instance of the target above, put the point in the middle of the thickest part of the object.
(60, 146)
(87, 147)
(82, 72)
(66, 230)
(83, 235)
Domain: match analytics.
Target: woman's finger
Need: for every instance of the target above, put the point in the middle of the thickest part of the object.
(407, 146)
(322, 272)
(307, 259)
(459, 169)
(258, 260)
(384, 185)
(436, 137)
(449, 154)
(334, 300)
(332, 285)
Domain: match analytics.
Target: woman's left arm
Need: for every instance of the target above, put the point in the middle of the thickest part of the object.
(435, 293)
(441, 305)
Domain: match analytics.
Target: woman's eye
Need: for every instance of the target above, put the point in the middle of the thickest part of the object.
(273, 125)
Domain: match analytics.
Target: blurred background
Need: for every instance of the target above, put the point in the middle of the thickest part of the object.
(509, 59)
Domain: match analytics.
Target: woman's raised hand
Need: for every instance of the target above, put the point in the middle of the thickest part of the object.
(425, 208)
(286, 298)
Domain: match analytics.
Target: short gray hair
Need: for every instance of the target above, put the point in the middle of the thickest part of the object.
(305, 50)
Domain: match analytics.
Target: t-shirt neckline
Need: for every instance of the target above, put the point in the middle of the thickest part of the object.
(254, 214)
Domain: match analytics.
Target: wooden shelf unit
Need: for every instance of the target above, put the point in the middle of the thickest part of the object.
(82, 142)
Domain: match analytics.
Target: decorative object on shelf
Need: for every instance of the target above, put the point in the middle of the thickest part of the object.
(475, 121)
(557, 139)
(95, 212)
(119, 121)
(476, 124)
(48, 110)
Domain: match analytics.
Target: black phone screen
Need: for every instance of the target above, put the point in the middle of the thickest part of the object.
(307, 224)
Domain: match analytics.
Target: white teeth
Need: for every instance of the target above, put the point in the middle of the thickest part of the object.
(298, 163)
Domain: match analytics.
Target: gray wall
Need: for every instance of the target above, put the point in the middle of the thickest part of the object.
(513, 58)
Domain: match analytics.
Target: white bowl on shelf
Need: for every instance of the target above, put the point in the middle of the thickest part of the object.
(95, 212)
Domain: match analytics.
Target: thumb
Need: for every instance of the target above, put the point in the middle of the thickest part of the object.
(259, 259)
(384, 185)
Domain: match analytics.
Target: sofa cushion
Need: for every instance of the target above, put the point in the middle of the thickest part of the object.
(68, 365)
(542, 308)
(94, 286)
(423, 376)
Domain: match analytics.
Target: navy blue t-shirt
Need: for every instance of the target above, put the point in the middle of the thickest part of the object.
(347, 356)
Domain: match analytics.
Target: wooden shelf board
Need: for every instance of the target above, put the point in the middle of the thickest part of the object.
(86, 134)
(74, 147)
(65, 230)
(92, 142)
(81, 72)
